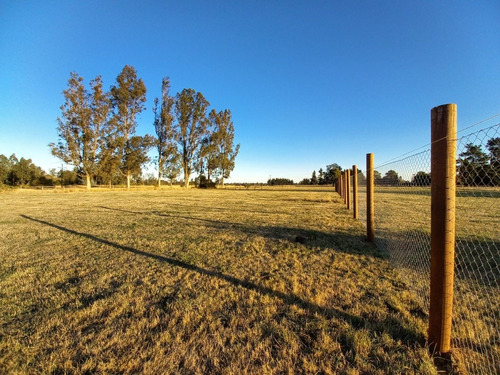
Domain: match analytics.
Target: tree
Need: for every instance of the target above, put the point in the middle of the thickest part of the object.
(321, 179)
(332, 174)
(135, 155)
(82, 126)
(5, 168)
(163, 122)
(473, 167)
(191, 128)
(305, 181)
(421, 178)
(493, 146)
(314, 178)
(221, 150)
(377, 175)
(391, 178)
(128, 98)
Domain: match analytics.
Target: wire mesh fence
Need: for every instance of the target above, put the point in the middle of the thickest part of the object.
(402, 230)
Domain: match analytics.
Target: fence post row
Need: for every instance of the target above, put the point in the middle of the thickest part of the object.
(355, 191)
(443, 192)
(370, 205)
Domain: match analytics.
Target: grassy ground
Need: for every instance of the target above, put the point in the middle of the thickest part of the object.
(270, 281)
(403, 228)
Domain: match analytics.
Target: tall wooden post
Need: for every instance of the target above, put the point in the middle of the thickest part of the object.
(355, 191)
(345, 187)
(348, 188)
(443, 185)
(370, 197)
(341, 190)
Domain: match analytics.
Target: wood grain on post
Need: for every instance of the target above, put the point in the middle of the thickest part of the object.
(443, 185)
(370, 199)
(355, 191)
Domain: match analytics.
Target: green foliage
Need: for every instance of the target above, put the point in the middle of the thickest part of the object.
(421, 179)
(128, 98)
(473, 168)
(168, 157)
(221, 151)
(191, 128)
(15, 172)
(83, 126)
(279, 181)
(314, 178)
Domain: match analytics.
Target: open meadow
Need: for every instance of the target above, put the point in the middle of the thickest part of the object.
(271, 281)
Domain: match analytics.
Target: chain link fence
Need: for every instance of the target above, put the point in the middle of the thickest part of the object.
(402, 230)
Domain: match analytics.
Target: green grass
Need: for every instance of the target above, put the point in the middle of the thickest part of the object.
(177, 281)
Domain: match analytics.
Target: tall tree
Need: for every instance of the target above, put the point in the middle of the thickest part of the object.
(128, 98)
(82, 126)
(222, 152)
(493, 146)
(314, 178)
(191, 128)
(163, 122)
(473, 166)
(332, 174)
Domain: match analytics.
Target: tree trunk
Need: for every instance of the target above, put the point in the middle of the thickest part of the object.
(128, 180)
(222, 181)
(89, 185)
(186, 176)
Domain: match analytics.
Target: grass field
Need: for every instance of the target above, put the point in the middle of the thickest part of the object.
(270, 281)
(403, 230)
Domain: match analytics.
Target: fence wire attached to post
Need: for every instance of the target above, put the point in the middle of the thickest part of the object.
(402, 226)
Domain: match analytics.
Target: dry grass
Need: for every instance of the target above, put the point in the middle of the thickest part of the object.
(403, 228)
(270, 281)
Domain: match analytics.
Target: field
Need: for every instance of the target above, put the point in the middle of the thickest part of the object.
(271, 281)
(403, 231)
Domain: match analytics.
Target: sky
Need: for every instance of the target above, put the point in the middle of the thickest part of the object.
(309, 83)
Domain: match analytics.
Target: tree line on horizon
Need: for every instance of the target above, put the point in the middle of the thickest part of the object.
(97, 132)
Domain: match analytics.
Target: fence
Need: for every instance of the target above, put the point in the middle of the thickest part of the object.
(402, 228)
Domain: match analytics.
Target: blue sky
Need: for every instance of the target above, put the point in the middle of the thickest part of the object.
(309, 83)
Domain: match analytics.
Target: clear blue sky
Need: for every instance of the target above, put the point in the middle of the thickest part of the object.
(309, 83)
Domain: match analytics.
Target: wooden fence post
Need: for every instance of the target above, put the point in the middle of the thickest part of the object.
(443, 192)
(345, 187)
(370, 196)
(341, 190)
(348, 188)
(355, 191)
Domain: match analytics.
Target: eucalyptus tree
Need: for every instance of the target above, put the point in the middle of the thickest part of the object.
(222, 151)
(164, 127)
(83, 126)
(128, 98)
(191, 128)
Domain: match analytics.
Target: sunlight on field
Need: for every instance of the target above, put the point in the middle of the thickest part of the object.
(172, 281)
(403, 230)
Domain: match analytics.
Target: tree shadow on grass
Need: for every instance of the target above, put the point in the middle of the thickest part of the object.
(390, 325)
(339, 241)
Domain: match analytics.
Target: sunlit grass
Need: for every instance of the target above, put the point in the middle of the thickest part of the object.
(402, 217)
(258, 281)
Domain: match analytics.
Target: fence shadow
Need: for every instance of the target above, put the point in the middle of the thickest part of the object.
(339, 241)
(389, 325)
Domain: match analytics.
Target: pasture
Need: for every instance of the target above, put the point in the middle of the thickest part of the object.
(271, 281)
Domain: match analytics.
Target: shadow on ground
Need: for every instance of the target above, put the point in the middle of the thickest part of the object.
(339, 241)
(389, 325)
